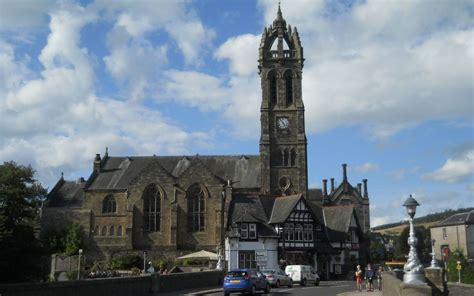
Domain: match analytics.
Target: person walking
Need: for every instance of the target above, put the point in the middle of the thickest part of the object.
(358, 276)
(369, 276)
(379, 277)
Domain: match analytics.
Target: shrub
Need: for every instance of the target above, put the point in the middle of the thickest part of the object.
(126, 262)
(71, 275)
(73, 239)
(467, 271)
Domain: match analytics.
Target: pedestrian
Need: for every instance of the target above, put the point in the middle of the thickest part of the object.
(379, 277)
(358, 276)
(369, 276)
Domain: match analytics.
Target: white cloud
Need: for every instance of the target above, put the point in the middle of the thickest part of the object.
(238, 50)
(381, 220)
(397, 174)
(24, 15)
(455, 170)
(367, 167)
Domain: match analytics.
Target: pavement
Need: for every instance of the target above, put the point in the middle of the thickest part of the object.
(363, 293)
(194, 292)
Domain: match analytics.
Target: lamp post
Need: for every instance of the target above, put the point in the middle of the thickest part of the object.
(434, 263)
(413, 268)
(144, 261)
(79, 265)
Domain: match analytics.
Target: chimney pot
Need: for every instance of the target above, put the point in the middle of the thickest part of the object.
(332, 184)
(325, 187)
(344, 171)
(366, 193)
(359, 188)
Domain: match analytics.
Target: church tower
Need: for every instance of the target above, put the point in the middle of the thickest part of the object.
(283, 140)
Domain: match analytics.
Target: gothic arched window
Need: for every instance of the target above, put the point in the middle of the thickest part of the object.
(288, 88)
(96, 231)
(104, 231)
(109, 205)
(119, 230)
(196, 208)
(293, 158)
(273, 87)
(151, 208)
(112, 231)
(286, 157)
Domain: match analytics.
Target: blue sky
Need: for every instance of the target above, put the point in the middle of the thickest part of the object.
(387, 86)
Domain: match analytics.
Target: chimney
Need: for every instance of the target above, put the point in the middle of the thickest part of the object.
(359, 188)
(344, 172)
(366, 193)
(97, 162)
(332, 184)
(325, 187)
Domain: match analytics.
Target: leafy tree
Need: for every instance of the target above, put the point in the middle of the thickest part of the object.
(423, 247)
(467, 272)
(377, 251)
(20, 197)
(73, 239)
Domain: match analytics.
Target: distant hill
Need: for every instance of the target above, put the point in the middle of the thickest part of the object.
(426, 221)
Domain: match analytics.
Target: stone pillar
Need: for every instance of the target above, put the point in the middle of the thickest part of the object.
(434, 277)
(173, 224)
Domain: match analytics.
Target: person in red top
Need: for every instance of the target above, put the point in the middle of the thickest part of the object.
(358, 276)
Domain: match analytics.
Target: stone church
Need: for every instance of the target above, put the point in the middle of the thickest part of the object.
(171, 205)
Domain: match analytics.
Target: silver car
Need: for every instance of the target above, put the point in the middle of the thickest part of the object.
(277, 278)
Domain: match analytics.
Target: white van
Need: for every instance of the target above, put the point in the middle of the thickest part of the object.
(302, 274)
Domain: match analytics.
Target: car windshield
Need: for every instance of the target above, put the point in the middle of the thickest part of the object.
(237, 273)
(268, 271)
(291, 268)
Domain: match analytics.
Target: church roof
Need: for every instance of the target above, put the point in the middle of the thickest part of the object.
(119, 172)
(66, 194)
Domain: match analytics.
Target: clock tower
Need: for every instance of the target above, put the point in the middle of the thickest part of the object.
(283, 140)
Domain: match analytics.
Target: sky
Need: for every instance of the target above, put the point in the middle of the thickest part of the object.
(387, 88)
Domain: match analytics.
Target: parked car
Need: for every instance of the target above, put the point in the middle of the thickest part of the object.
(277, 278)
(245, 280)
(302, 274)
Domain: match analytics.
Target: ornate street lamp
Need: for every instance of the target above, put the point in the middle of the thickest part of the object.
(434, 262)
(413, 269)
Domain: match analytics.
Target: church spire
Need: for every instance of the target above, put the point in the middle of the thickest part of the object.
(279, 22)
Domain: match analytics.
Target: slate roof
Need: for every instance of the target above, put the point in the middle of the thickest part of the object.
(119, 172)
(66, 194)
(315, 194)
(457, 219)
(338, 220)
(282, 208)
(251, 209)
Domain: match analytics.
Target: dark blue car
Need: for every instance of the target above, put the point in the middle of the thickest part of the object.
(245, 280)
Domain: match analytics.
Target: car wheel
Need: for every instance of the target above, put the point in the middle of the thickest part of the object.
(277, 285)
(267, 289)
(316, 283)
(303, 282)
(291, 284)
(253, 291)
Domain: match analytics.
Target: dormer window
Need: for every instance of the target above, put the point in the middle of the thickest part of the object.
(248, 231)
(252, 231)
(244, 231)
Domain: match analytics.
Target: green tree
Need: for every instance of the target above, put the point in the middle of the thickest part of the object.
(73, 239)
(377, 251)
(467, 272)
(423, 247)
(20, 197)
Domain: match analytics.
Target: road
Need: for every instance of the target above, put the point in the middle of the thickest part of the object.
(326, 288)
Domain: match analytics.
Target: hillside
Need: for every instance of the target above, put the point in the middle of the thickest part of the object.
(426, 221)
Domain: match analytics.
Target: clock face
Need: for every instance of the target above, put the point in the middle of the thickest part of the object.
(283, 123)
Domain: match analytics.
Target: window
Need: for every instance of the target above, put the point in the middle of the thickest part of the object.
(308, 232)
(289, 230)
(96, 230)
(109, 205)
(244, 231)
(293, 157)
(445, 235)
(289, 88)
(252, 231)
(298, 232)
(111, 231)
(151, 208)
(286, 156)
(196, 208)
(273, 88)
(119, 230)
(104, 231)
(247, 259)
